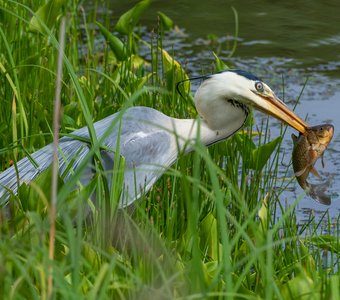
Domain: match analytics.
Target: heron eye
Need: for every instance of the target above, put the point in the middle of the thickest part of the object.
(259, 86)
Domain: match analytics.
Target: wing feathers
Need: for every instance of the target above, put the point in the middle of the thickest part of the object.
(70, 151)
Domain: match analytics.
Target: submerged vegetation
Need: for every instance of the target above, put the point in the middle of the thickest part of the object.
(208, 229)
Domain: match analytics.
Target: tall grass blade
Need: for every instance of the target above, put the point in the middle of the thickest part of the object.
(55, 162)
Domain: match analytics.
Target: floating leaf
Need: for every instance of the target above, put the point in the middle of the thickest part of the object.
(128, 20)
(46, 14)
(116, 45)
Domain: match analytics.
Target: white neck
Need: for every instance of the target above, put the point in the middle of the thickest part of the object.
(189, 130)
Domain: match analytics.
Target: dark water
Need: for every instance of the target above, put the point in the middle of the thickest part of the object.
(278, 40)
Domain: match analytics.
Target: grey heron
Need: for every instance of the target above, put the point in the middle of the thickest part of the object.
(151, 141)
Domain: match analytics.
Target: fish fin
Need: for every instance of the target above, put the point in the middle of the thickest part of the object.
(313, 156)
(322, 161)
(299, 173)
(294, 138)
(315, 172)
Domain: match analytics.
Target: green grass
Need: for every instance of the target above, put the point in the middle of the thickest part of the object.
(207, 230)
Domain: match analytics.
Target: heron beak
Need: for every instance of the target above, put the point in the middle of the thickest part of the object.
(273, 106)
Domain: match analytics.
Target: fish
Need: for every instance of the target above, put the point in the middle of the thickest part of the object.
(308, 148)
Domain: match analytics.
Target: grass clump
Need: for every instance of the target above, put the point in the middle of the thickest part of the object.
(207, 229)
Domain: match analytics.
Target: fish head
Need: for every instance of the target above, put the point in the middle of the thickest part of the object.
(324, 133)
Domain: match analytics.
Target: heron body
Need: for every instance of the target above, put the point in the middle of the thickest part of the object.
(150, 141)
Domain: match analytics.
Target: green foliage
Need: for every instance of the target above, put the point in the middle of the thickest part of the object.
(117, 46)
(326, 242)
(258, 155)
(166, 22)
(219, 64)
(128, 20)
(208, 228)
(47, 15)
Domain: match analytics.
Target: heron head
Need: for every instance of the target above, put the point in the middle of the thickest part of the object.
(247, 89)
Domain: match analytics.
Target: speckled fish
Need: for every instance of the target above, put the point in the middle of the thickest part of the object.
(308, 147)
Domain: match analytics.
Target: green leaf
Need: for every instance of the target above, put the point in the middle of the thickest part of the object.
(220, 65)
(166, 22)
(263, 215)
(255, 158)
(128, 20)
(46, 14)
(209, 237)
(300, 287)
(116, 45)
(307, 260)
(263, 153)
(244, 141)
(174, 71)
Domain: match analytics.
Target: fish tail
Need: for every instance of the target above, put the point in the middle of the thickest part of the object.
(318, 192)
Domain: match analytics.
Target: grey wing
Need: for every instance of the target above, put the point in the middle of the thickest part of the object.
(71, 153)
(147, 149)
(146, 158)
